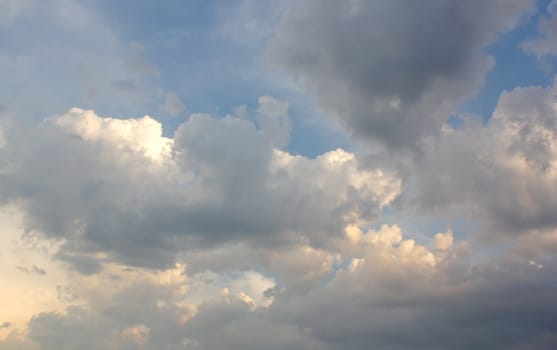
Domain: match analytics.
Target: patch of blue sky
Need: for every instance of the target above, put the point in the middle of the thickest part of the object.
(186, 41)
(211, 54)
(422, 227)
(513, 67)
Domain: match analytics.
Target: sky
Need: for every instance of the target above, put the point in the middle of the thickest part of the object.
(279, 175)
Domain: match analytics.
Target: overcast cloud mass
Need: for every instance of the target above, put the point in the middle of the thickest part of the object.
(278, 175)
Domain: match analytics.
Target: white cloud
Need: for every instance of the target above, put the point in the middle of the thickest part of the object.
(23, 293)
(504, 177)
(136, 135)
(275, 250)
(444, 241)
(118, 187)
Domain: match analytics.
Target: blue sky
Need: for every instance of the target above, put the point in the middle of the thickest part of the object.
(211, 54)
(513, 67)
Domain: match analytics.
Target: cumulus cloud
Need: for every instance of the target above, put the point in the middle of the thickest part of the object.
(116, 189)
(444, 241)
(117, 236)
(504, 177)
(281, 243)
(392, 71)
(393, 293)
(277, 250)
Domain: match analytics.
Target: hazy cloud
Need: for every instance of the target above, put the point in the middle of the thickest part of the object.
(34, 270)
(215, 235)
(173, 105)
(546, 44)
(393, 293)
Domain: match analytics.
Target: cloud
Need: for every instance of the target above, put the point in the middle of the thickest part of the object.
(85, 55)
(547, 43)
(13, 8)
(218, 237)
(115, 189)
(33, 270)
(14, 341)
(274, 120)
(318, 278)
(407, 297)
(281, 251)
(395, 294)
(173, 105)
(504, 177)
(444, 241)
(391, 72)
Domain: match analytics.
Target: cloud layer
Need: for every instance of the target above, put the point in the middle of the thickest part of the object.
(210, 233)
(272, 248)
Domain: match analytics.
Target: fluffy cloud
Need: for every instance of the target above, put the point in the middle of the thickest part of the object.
(402, 296)
(502, 174)
(117, 236)
(390, 293)
(392, 71)
(320, 278)
(116, 189)
(277, 249)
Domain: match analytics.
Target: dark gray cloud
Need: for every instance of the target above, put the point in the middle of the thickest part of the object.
(398, 296)
(484, 309)
(392, 71)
